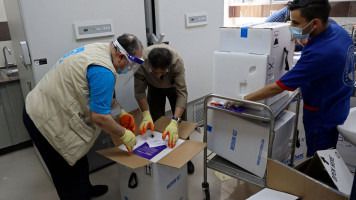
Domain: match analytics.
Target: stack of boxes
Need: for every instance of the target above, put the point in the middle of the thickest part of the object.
(249, 59)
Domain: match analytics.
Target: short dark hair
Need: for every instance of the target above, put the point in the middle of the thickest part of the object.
(311, 9)
(160, 58)
(130, 43)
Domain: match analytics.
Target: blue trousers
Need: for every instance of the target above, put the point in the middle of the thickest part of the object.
(321, 139)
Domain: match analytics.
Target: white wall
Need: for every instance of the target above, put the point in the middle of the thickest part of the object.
(2, 12)
(8, 44)
(195, 44)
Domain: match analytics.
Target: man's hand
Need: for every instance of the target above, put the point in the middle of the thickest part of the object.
(146, 121)
(127, 121)
(129, 140)
(172, 132)
(233, 104)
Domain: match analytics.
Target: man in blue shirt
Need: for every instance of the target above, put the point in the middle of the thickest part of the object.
(279, 16)
(283, 14)
(325, 73)
(72, 103)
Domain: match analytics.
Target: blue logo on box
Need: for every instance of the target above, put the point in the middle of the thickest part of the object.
(233, 140)
(260, 153)
(173, 182)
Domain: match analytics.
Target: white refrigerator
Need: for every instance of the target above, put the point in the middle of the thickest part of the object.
(43, 31)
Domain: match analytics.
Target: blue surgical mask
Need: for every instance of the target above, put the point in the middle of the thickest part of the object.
(122, 71)
(297, 32)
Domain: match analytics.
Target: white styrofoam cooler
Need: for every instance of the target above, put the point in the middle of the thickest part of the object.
(154, 182)
(245, 52)
(264, 38)
(348, 152)
(237, 74)
(244, 142)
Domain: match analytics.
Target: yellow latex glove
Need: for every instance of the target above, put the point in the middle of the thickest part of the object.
(129, 140)
(127, 121)
(172, 132)
(146, 121)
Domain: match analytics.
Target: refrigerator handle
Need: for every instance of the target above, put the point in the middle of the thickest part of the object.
(26, 59)
(29, 85)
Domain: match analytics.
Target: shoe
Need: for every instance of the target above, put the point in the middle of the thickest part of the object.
(98, 190)
(190, 167)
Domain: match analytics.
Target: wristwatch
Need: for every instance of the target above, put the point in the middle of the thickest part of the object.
(179, 120)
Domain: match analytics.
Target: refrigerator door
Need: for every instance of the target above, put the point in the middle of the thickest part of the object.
(48, 27)
(49, 30)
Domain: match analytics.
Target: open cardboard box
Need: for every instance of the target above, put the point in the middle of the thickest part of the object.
(298, 181)
(140, 178)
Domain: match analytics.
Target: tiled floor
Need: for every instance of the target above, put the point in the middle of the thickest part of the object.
(22, 177)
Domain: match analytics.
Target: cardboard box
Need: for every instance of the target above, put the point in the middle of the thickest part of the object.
(311, 179)
(244, 142)
(140, 178)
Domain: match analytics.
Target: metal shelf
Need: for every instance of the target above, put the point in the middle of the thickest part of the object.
(263, 113)
(224, 166)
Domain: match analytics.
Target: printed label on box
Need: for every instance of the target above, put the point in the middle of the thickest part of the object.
(147, 152)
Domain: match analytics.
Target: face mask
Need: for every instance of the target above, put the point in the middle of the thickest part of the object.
(133, 63)
(122, 71)
(298, 32)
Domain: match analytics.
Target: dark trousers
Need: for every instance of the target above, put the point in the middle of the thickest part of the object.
(321, 139)
(71, 182)
(156, 98)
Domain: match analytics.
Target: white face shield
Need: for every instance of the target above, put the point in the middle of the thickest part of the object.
(133, 63)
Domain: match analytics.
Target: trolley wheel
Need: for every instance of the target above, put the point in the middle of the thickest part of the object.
(205, 186)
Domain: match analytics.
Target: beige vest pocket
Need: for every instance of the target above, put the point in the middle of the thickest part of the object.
(75, 136)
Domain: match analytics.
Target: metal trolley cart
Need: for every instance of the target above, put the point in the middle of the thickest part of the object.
(267, 114)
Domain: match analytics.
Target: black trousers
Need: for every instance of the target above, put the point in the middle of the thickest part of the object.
(71, 182)
(156, 98)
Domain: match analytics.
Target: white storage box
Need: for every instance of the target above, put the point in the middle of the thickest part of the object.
(238, 74)
(270, 39)
(264, 38)
(159, 178)
(348, 152)
(244, 142)
(153, 182)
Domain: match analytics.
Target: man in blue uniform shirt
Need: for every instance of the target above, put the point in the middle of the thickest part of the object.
(325, 73)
